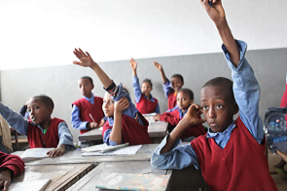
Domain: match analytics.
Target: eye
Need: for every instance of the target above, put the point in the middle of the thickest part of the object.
(111, 102)
(183, 99)
(37, 107)
(219, 106)
(29, 110)
(204, 107)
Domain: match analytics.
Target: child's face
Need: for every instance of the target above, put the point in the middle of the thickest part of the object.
(183, 101)
(176, 83)
(38, 112)
(85, 87)
(108, 105)
(217, 107)
(146, 88)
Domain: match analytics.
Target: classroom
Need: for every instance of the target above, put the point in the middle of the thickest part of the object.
(38, 40)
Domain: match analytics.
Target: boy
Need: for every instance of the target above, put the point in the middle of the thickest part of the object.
(145, 103)
(125, 123)
(87, 112)
(10, 166)
(231, 155)
(171, 87)
(42, 131)
(184, 100)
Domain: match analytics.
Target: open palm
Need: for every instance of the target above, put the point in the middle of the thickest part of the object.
(85, 58)
(133, 64)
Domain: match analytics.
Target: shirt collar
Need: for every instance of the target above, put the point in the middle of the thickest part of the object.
(91, 99)
(151, 98)
(230, 128)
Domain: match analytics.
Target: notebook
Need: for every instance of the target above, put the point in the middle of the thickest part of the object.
(32, 185)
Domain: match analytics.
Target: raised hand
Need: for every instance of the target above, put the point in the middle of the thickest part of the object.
(192, 115)
(133, 64)
(85, 58)
(122, 104)
(216, 12)
(158, 66)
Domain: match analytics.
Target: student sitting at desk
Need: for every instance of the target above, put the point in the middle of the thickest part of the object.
(184, 100)
(170, 87)
(231, 155)
(42, 131)
(145, 103)
(87, 112)
(10, 166)
(125, 123)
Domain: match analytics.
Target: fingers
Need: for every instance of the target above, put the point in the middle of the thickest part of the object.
(2, 183)
(6, 184)
(77, 63)
(206, 5)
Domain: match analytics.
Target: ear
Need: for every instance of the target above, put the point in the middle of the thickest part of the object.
(235, 109)
(50, 110)
(93, 86)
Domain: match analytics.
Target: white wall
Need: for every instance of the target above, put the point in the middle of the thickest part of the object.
(44, 32)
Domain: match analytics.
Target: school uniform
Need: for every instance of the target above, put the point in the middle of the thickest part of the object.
(143, 104)
(222, 152)
(284, 98)
(57, 134)
(11, 162)
(173, 119)
(86, 110)
(170, 94)
(134, 125)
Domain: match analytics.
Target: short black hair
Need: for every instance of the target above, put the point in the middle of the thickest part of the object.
(148, 81)
(46, 100)
(177, 76)
(187, 91)
(125, 89)
(88, 78)
(225, 83)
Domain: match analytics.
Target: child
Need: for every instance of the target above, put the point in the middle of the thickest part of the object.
(42, 131)
(145, 103)
(231, 155)
(87, 112)
(171, 87)
(125, 123)
(10, 166)
(279, 168)
(184, 100)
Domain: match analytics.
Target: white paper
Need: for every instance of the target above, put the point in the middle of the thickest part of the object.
(32, 185)
(130, 150)
(103, 148)
(36, 153)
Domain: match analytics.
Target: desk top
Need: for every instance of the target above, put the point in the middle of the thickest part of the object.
(99, 173)
(62, 176)
(74, 157)
(155, 129)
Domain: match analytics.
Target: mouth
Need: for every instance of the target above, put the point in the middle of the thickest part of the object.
(212, 124)
(33, 118)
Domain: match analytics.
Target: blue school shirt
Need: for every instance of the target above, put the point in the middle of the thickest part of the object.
(76, 122)
(131, 111)
(17, 122)
(246, 92)
(167, 88)
(175, 107)
(138, 93)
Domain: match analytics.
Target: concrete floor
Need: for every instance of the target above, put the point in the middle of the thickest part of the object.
(280, 182)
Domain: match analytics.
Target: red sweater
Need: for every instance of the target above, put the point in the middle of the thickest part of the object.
(36, 138)
(173, 119)
(241, 165)
(87, 109)
(171, 100)
(132, 131)
(284, 100)
(145, 106)
(12, 162)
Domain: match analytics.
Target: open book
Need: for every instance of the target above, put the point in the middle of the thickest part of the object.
(102, 148)
(36, 153)
(32, 185)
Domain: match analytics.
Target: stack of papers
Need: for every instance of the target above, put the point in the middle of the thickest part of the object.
(104, 149)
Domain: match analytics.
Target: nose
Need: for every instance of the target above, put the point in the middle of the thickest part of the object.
(105, 105)
(211, 112)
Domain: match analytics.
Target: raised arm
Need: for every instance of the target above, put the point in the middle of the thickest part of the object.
(87, 61)
(134, 65)
(160, 68)
(217, 15)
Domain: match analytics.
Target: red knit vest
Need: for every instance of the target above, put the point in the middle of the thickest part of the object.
(241, 165)
(171, 100)
(145, 106)
(132, 131)
(284, 101)
(173, 119)
(36, 138)
(87, 109)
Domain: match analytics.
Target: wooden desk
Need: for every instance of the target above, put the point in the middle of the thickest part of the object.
(62, 176)
(74, 157)
(104, 169)
(156, 132)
